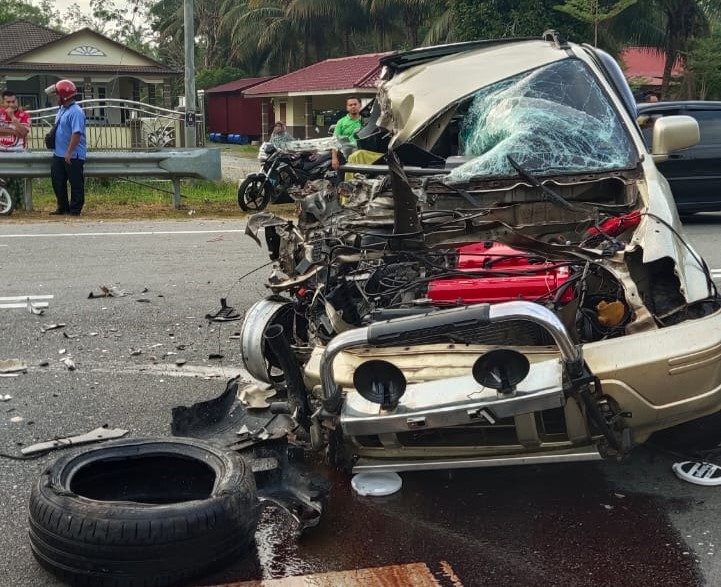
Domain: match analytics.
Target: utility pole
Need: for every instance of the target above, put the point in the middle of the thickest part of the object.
(189, 22)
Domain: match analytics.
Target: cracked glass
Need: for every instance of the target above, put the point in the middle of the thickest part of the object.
(552, 120)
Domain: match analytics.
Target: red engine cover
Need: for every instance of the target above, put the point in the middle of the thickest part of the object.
(535, 280)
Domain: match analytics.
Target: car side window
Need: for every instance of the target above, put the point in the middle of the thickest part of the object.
(647, 119)
(709, 124)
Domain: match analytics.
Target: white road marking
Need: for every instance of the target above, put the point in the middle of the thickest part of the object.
(129, 233)
(23, 305)
(25, 298)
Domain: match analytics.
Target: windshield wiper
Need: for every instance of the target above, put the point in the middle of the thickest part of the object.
(551, 195)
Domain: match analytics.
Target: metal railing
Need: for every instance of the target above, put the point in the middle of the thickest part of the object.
(121, 125)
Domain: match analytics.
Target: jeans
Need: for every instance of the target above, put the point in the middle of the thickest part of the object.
(60, 174)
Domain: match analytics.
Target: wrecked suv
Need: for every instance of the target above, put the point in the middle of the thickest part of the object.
(512, 286)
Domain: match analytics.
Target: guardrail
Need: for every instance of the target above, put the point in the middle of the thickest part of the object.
(172, 164)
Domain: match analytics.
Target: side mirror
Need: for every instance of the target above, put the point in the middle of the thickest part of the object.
(317, 130)
(673, 133)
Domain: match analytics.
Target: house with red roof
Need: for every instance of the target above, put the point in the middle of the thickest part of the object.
(314, 97)
(231, 112)
(643, 66)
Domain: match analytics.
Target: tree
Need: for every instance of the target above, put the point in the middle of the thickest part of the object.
(410, 14)
(208, 78)
(127, 26)
(13, 10)
(684, 20)
(593, 12)
(497, 19)
(703, 68)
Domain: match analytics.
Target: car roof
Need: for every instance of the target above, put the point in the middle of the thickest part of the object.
(679, 104)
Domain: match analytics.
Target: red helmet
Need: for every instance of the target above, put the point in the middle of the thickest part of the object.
(64, 88)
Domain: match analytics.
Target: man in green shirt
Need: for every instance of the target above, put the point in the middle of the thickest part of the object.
(348, 125)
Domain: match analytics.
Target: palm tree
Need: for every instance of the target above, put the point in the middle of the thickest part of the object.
(410, 15)
(325, 17)
(669, 26)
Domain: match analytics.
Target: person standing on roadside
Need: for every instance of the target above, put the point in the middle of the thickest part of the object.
(14, 124)
(69, 150)
(14, 129)
(347, 126)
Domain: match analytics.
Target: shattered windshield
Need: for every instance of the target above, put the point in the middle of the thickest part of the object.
(552, 120)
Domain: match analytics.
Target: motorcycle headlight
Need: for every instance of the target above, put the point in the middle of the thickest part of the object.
(380, 382)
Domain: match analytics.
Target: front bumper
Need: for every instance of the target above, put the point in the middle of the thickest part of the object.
(656, 379)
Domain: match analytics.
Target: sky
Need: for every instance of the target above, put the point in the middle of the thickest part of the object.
(63, 5)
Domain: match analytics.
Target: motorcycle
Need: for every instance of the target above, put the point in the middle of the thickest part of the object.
(6, 200)
(284, 168)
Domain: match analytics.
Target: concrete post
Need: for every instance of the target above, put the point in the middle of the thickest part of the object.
(309, 122)
(190, 136)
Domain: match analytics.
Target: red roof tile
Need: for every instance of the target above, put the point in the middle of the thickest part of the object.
(647, 62)
(339, 74)
(20, 37)
(239, 84)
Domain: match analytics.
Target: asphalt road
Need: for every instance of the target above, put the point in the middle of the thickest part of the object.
(630, 523)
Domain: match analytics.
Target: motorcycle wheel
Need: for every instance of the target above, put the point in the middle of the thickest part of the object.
(253, 195)
(6, 202)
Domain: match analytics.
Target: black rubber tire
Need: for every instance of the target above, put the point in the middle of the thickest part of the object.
(140, 513)
(6, 202)
(254, 193)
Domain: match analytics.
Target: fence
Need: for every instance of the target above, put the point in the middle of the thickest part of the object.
(124, 138)
(122, 125)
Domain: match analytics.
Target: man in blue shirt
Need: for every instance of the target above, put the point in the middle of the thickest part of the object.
(69, 151)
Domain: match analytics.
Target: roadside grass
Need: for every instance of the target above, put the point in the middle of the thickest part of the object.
(249, 151)
(128, 199)
(131, 199)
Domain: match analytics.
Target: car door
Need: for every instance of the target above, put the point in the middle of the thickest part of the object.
(699, 180)
(677, 169)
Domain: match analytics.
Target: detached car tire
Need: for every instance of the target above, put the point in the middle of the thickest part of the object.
(143, 512)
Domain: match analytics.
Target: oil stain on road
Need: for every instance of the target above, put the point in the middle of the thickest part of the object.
(550, 526)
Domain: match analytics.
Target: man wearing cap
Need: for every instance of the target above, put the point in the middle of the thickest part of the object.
(69, 150)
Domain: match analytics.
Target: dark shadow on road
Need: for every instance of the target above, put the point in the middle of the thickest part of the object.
(702, 218)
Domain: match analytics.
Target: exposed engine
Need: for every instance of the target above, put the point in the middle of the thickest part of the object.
(345, 265)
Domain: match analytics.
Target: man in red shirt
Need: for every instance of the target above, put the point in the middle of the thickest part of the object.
(14, 124)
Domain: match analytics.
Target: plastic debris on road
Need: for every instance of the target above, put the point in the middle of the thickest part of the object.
(376, 484)
(698, 472)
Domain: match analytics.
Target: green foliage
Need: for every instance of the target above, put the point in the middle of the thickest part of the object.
(126, 23)
(703, 67)
(593, 12)
(12, 10)
(497, 19)
(208, 78)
